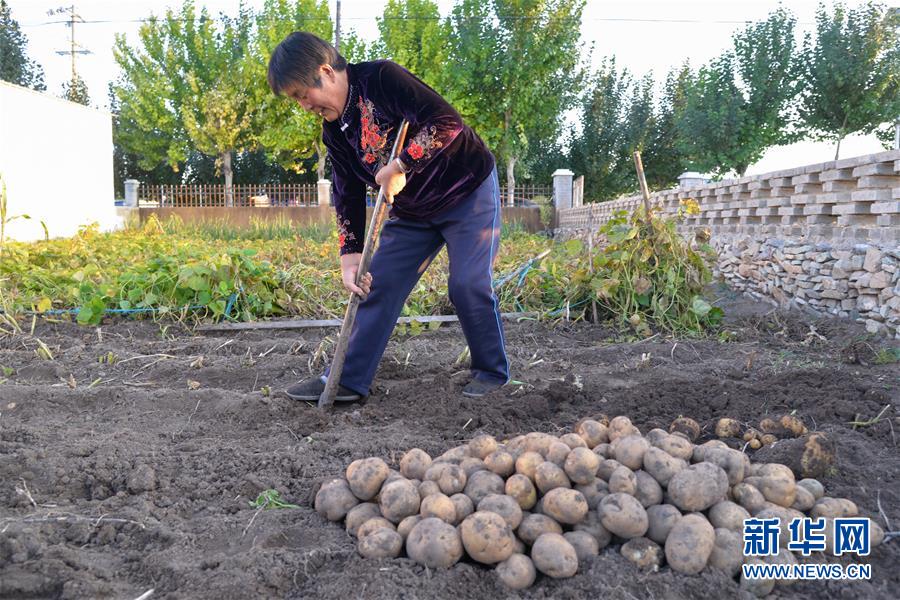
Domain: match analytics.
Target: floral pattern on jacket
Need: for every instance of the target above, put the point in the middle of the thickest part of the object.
(424, 142)
(344, 233)
(372, 139)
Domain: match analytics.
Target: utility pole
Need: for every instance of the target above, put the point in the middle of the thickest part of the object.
(337, 27)
(74, 48)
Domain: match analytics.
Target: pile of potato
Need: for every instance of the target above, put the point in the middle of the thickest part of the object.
(784, 440)
(542, 503)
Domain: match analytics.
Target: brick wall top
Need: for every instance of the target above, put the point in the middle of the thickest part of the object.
(850, 200)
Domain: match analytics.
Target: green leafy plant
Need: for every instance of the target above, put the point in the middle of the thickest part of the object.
(647, 275)
(268, 499)
(213, 271)
(4, 217)
(887, 356)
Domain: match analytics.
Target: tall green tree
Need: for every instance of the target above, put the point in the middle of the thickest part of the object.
(740, 104)
(711, 125)
(412, 34)
(125, 164)
(617, 117)
(768, 68)
(515, 66)
(76, 91)
(662, 155)
(188, 87)
(15, 66)
(851, 72)
(290, 135)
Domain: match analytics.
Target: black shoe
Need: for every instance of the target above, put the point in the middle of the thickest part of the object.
(310, 389)
(477, 388)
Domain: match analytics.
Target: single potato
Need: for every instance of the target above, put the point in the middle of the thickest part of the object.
(414, 463)
(690, 544)
(434, 544)
(487, 537)
(335, 499)
(554, 556)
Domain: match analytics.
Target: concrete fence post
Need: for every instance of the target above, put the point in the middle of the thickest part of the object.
(131, 192)
(690, 179)
(578, 192)
(324, 192)
(562, 189)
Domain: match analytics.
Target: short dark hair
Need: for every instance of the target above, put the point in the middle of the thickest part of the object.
(296, 60)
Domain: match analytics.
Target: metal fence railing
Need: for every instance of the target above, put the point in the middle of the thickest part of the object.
(287, 194)
(244, 195)
(527, 195)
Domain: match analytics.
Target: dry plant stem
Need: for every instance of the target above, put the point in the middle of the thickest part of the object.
(591, 268)
(857, 423)
(222, 345)
(188, 424)
(24, 491)
(645, 191)
(67, 517)
(140, 356)
(255, 514)
(881, 510)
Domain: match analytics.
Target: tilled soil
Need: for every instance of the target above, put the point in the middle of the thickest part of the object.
(124, 475)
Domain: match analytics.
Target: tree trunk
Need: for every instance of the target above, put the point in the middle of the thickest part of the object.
(226, 170)
(511, 179)
(841, 135)
(320, 164)
(510, 160)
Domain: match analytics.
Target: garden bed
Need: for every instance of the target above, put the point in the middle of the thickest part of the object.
(129, 461)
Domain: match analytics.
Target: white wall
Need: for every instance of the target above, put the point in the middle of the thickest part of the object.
(56, 158)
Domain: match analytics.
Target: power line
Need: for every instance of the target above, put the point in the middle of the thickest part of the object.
(408, 18)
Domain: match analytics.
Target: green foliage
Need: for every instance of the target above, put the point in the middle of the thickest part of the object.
(278, 268)
(738, 105)
(76, 91)
(139, 270)
(5, 217)
(768, 70)
(616, 118)
(269, 499)
(646, 275)
(713, 118)
(186, 88)
(519, 57)
(413, 35)
(272, 268)
(851, 72)
(887, 356)
(259, 229)
(619, 115)
(289, 134)
(662, 154)
(15, 66)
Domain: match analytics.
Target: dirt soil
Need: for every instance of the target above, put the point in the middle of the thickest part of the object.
(117, 476)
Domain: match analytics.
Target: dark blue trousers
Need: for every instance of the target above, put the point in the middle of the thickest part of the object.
(471, 231)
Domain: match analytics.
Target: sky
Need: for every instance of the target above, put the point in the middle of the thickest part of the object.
(643, 35)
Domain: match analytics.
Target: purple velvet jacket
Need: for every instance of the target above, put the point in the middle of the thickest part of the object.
(447, 160)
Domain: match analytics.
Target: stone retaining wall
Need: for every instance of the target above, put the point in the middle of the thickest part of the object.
(824, 237)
